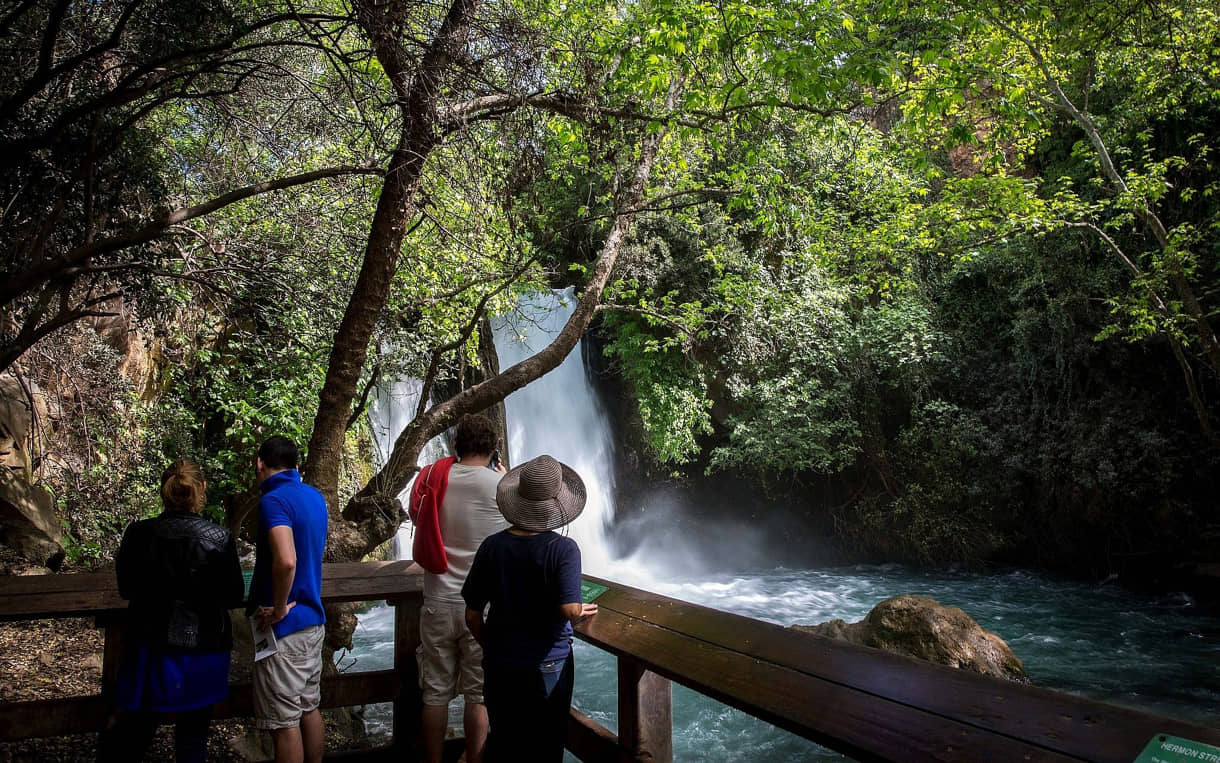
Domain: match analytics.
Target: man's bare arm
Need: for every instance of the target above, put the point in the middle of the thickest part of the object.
(577, 611)
(283, 572)
(474, 621)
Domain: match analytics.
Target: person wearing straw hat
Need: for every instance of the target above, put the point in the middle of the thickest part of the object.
(527, 579)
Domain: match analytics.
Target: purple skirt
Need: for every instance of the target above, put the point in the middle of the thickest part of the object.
(166, 681)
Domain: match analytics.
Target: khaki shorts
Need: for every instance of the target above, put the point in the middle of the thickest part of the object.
(288, 684)
(450, 660)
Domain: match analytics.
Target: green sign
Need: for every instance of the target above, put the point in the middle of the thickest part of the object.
(247, 575)
(590, 591)
(1166, 749)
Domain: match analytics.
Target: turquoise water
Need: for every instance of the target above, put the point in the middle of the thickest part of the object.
(1159, 654)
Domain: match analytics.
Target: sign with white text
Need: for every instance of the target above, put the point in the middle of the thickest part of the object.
(1166, 749)
(590, 591)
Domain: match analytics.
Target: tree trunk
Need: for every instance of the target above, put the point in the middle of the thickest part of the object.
(1206, 335)
(418, 92)
(490, 366)
(373, 514)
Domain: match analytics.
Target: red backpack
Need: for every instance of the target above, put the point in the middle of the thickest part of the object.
(424, 507)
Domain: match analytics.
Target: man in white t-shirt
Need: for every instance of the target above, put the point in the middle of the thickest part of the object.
(450, 660)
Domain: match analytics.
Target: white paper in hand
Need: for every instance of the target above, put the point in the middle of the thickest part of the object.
(264, 640)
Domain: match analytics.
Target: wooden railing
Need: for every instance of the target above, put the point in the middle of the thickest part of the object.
(865, 703)
(96, 595)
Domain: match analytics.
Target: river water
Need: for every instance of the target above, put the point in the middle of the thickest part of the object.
(1160, 654)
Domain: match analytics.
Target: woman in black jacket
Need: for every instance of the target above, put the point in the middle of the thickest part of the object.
(181, 575)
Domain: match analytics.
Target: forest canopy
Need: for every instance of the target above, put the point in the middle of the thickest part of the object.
(950, 267)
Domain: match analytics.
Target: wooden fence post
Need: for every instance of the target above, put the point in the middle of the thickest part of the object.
(112, 651)
(409, 705)
(645, 713)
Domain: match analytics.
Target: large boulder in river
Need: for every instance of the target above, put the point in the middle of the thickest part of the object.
(920, 627)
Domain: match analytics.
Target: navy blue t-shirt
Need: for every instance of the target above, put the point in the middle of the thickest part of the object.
(525, 579)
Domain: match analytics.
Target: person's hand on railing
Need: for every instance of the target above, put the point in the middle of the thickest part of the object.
(578, 611)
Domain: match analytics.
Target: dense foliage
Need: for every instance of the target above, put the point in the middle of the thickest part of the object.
(955, 262)
(972, 313)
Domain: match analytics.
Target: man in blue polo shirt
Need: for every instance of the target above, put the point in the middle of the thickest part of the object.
(286, 595)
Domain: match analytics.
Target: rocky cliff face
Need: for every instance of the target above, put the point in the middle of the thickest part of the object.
(18, 412)
(47, 432)
(139, 356)
(917, 626)
(28, 524)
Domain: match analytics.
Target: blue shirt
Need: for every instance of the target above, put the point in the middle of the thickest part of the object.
(288, 502)
(525, 579)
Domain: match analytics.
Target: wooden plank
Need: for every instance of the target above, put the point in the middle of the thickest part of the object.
(75, 715)
(1072, 725)
(75, 581)
(590, 741)
(861, 725)
(372, 755)
(371, 581)
(34, 597)
(343, 690)
(52, 717)
(58, 604)
(363, 688)
(645, 712)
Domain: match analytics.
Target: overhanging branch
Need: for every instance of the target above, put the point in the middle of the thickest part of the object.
(64, 264)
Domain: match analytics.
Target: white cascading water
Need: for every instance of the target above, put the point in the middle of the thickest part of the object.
(392, 408)
(561, 415)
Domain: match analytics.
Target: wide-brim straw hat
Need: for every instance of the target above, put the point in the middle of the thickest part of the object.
(541, 494)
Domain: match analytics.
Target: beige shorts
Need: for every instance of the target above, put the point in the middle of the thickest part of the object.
(288, 684)
(450, 660)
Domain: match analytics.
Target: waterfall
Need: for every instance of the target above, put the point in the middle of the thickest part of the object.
(560, 414)
(391, 409)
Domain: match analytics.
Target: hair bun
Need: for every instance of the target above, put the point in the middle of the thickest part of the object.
(182, 487)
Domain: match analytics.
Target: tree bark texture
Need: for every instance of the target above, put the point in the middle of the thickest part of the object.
(418, 90)
(366, 516)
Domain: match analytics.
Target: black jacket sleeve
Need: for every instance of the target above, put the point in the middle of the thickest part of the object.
(129, 561)
(233, 584)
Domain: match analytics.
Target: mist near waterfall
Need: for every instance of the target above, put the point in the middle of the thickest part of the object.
(669, 531)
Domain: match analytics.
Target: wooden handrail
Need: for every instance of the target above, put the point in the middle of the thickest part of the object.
(95, 594)
(33, 597)
(866, 703)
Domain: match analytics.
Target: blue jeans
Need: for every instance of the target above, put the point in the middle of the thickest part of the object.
(527, 710)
